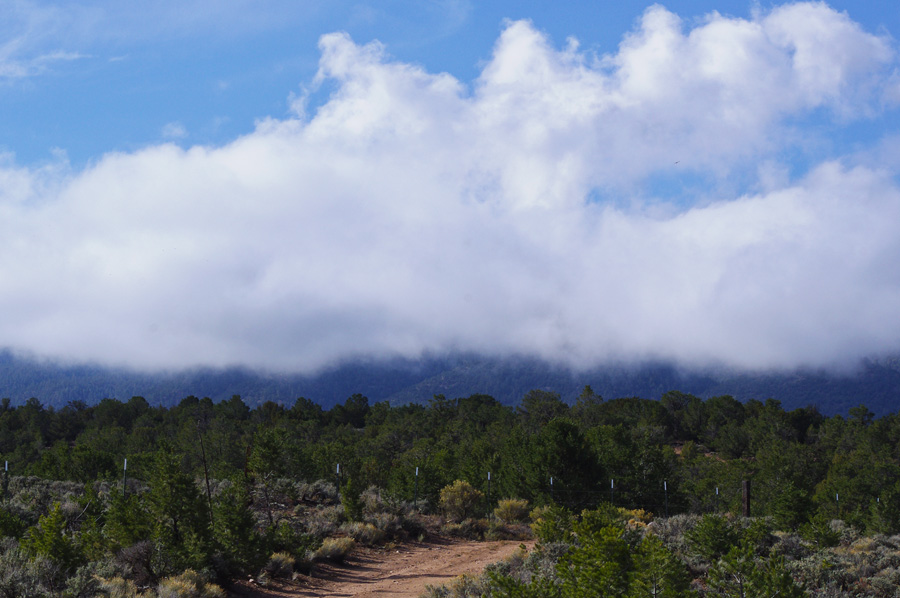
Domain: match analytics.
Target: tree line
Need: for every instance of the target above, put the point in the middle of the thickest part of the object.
(676, 454)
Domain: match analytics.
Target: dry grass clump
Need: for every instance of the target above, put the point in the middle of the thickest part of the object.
(372, 500)
(324, 521)
(390, 524)
(334, 549)
(364, 533)
(189, 584)
(118, 587)
(280, 565)
(511, 510)
(498, 530)
(470, 529)
(636, 518)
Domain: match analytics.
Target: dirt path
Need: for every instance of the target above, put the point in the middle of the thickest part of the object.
(401, 572)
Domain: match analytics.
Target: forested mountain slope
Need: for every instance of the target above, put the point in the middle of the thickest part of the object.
(876, 383)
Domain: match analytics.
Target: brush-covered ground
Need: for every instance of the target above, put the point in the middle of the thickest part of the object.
(611, 551)
(280, 538)
(289, 538)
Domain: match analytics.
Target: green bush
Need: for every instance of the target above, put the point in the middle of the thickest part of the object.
(350, 499)
(820, 532)
(757, 532)
(459, 500)
(601, 559)
(11, 525)
(791, 507)
(178, 512)
(712, 537)
(126, 520)
(284, 538)
(740, 573)
(552, 524)
(49, 539)
(234, 533)
(657, 571)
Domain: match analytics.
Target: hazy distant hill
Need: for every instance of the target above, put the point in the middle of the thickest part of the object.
(876, 383)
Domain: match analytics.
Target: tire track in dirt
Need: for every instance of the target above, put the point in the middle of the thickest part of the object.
(401, 572)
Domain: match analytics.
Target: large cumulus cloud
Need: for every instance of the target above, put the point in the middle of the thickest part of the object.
(412, 212)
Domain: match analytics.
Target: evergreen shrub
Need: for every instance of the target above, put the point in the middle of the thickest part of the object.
(712, 537)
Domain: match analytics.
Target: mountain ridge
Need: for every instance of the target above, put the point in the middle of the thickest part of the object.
(875, 383)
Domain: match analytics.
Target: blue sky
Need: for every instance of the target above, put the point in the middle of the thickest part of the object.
(287, 184)
(100, 77)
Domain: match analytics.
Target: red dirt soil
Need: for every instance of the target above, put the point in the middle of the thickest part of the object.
(402, 571)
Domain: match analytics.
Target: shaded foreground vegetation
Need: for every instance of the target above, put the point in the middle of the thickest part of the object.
(218, 491)
(612, 551)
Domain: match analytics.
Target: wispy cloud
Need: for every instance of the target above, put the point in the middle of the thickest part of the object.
(29, 35)
(413, 212)
(12, 68)
(36, 33)
(174, 130)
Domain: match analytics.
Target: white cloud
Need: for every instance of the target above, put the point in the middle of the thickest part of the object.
(414, 213)
(174, 130)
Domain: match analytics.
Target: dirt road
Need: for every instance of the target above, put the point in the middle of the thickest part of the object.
(401, 572)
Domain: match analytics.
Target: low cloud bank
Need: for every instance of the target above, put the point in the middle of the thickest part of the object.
(677, 200)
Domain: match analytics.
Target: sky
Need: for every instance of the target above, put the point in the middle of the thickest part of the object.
(287, 184)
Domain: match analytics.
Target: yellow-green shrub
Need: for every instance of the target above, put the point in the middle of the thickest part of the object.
(280, 565)
(511, 510)
(459, 500)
